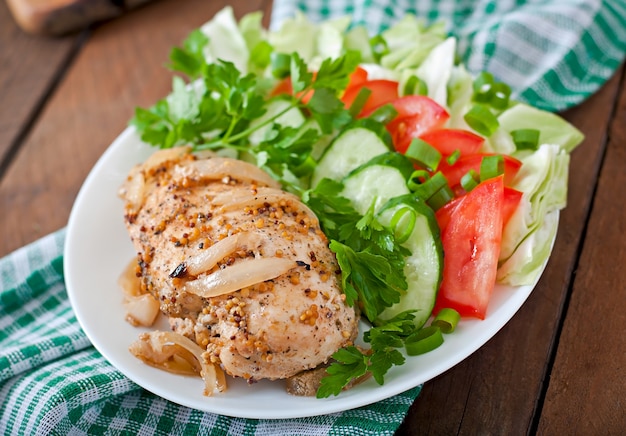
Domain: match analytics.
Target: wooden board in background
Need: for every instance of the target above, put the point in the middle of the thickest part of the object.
(57, 17)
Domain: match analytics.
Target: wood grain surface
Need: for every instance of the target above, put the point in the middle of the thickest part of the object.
(558, 367)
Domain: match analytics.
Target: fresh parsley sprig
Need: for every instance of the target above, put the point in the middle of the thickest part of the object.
(351, 363)
(371, 261)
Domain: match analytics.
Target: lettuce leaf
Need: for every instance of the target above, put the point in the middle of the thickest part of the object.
(543, 180)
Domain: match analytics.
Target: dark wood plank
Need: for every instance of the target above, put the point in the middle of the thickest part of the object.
(495, 390)
(588, 382)
(120, 67)
(29, 68)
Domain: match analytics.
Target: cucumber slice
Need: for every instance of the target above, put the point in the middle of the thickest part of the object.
(348, 151)
(392, 159)
(424, 267)
(379, 183)
(386, 186)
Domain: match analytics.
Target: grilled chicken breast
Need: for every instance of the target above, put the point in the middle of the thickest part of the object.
(239, 266)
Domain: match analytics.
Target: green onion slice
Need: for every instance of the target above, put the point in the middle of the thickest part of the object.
(447, 320)
(281, 65)
(415, 86)
(433, 190)
(440, 198)
(379, 47)
(526, 139)
(491, 166)
(483, 87)
(470, 180)
(403, 223)
(501, 93)
(423, 341)
(382, 114)
(456, 154)
(359, 101)
(423, 153)
(482, 120)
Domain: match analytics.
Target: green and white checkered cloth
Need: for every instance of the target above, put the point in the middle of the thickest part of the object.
(52, 381)
(554, 53)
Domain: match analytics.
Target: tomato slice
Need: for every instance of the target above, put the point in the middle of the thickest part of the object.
(510, 202)
(417, 115)
(447, 141)
(512, 198)
(382, 92)
(455, 172)
(282, 87)
(471, 244)
(358, 77)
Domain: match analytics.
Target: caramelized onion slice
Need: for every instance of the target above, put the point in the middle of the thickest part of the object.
(133, 191)
(209, 257)
(141, 310)
(229, 201)
(252, 199)
(128, 280)
(239, 275)
(178, 354)
(221, 167)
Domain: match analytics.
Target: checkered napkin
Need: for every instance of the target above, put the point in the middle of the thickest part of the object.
(553, 53)
(52, 381)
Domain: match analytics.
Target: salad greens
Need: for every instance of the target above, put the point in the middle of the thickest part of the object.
(222, 100)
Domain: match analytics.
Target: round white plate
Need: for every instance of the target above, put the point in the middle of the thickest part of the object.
(97, 250)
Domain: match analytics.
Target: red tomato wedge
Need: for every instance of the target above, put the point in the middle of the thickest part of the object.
(512, 198)
(382, 92)
(282, 87)
(447, 141)
(471, 243)
(357, 78)
(455, 172)
(510, 201)
(417, 115)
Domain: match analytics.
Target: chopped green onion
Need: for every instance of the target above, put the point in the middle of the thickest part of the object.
(470, 180)
(433, 190)
(423, 153)
(417, 179)
(384, 113)
(281, 65)
(423, 341)
(415, 86)
(447, 320)
(483, 87)
(440, 198)
(456, 154)
(402, 228)
(491, 166)
(427, 188)
(526, 139)
(481, 120)
(500, 96)
(379, 47)
(359, 101)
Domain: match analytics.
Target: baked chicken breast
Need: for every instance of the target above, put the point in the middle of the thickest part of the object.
(238, 265)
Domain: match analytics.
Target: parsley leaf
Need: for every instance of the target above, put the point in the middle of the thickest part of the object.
(189, 59)
(351, 363)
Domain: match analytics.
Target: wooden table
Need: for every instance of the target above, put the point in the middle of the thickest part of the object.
(558, 367)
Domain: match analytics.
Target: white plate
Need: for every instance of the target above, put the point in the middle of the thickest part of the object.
(98, 248)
